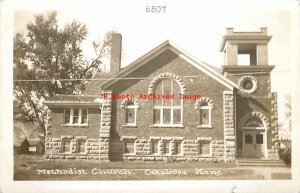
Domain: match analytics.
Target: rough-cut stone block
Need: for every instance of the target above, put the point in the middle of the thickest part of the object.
(104, 135)
(130, 158)
(103, 158)
(103, 151)
(230, 137)
(218, 149)
(104, 128)
(146, 148)
(70, 157)
(148, 158)
(230, 144)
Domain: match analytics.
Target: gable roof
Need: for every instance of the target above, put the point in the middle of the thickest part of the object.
(34, 142)
(168, 45)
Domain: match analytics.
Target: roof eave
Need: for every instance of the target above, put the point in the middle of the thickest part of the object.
(63, 104)
(253, 38)
(257, 68)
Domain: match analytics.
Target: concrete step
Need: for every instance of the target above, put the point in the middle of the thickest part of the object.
(259, 162)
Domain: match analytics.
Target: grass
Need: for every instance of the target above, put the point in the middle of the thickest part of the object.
(26, 167)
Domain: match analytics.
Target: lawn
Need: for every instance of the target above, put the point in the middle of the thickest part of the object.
(33, 167)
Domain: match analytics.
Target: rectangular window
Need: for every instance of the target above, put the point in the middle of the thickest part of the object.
(84, 115)
(248, 139)
(128, 147)
(177, 147)
(154, 147)
(176, 116)
(67, 116)
(76, 116)
(81, 146)
(130, 116)
(166, 116)
(204, 148)
(166, 147)
(67, 146)
(204, 116)
(259, 139)
(156, 116)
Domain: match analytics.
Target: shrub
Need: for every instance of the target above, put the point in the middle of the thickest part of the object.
(285, 155)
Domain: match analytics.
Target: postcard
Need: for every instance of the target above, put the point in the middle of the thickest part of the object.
(149, 96)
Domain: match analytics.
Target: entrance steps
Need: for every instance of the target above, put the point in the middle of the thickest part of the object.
(259, 162)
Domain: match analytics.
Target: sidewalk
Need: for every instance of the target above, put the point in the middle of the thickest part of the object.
(271, 173)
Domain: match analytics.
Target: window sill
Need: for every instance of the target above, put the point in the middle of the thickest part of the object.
(132, 126)
(75, 125)
(66, 153)
(129, 154)
(205, 155)
(204, 127)
(166, 126)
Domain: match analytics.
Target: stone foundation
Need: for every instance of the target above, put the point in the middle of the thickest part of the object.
(189, 150)
(97, 149)
(93, 150)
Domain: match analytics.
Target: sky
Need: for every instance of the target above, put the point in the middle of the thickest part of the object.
(195, 26)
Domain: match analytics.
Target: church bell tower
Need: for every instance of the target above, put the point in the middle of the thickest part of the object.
(246, 60)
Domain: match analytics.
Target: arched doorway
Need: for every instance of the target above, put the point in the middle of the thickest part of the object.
(254, 131)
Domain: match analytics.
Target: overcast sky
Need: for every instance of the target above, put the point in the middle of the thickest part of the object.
(196, 27)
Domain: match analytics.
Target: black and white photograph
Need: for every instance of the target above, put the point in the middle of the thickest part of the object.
(169, 96)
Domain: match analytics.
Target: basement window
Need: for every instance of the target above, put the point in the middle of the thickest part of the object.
(81, 146)
(154, 147)
(128, 147)
(66, 146)
(204, 148)
(177, 147)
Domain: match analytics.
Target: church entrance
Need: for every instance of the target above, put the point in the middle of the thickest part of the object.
(254, 143)
(254, 135)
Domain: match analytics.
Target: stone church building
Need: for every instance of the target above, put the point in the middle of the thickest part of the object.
(169, 106)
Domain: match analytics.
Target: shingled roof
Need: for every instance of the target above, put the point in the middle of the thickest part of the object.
(96, 82)
(72, 99)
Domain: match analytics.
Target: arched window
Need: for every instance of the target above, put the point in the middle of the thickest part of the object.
(167, 109)
(130, 107)
(130, 115)
(204, 105)
(253, 122)
(204, 113)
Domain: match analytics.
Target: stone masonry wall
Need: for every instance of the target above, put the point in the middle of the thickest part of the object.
(229, 126)
(189, 150)
(104, 136)
(53, 149)
(273, 152)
